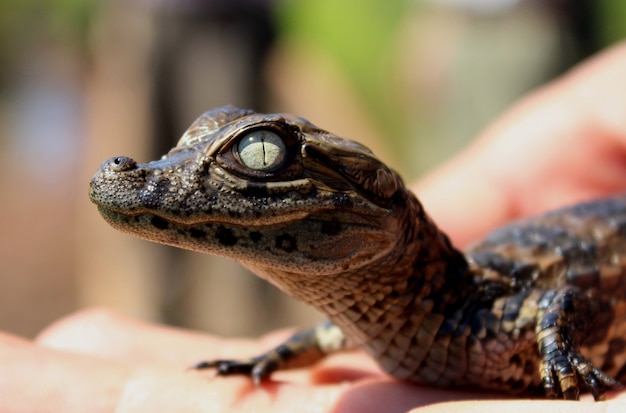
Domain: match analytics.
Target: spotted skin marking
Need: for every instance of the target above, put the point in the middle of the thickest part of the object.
(331, 227)
(159, 223)
(255, 236)
(197, 233)
(225, 236)
(286, 242)
(538, 306)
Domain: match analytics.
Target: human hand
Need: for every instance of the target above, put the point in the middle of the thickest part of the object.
(98, 361)
(564, 143)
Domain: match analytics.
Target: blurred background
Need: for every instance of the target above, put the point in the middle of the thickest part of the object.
(84, 80)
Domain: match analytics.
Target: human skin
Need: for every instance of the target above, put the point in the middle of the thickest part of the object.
(562, 144)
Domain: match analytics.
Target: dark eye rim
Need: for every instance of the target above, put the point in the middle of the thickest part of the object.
(229, 159)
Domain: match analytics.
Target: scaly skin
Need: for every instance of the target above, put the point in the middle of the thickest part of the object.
(539, 304)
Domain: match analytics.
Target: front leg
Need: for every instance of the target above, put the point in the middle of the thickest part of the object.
(302, 349)
(563, 319)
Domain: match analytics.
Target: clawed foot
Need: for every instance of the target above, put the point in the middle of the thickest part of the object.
(300, 350)
(257, 368)
(560, 374)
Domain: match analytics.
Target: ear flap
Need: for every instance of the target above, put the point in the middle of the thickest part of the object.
(364, 171)
(370, 174)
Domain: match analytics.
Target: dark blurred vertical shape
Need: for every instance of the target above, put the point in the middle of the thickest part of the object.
(579, 23)
(116, 270)
(207, 54)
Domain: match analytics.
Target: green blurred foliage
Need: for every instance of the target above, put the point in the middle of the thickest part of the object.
(612, 20)
(24, 23)
(359, 35)
(66, 19)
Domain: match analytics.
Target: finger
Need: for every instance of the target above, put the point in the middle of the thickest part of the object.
(166, 389)
(556, 406)
(107, 334)
(562, 144)
(352, 380)
(33, 379)
(30, 381)
(155, 389)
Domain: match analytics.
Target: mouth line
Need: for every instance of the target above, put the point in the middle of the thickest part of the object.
(116, 213)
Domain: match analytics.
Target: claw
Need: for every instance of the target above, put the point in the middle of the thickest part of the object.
(227, 367)
(257, 368)
(561, 375)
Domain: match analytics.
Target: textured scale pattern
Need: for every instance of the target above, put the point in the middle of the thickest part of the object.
(538, 306)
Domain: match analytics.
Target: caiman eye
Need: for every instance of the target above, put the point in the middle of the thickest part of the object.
(262, 150)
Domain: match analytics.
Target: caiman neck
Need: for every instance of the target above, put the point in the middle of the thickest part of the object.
(423, 272)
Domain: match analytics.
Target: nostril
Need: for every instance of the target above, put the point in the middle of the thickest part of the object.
(121, 163)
